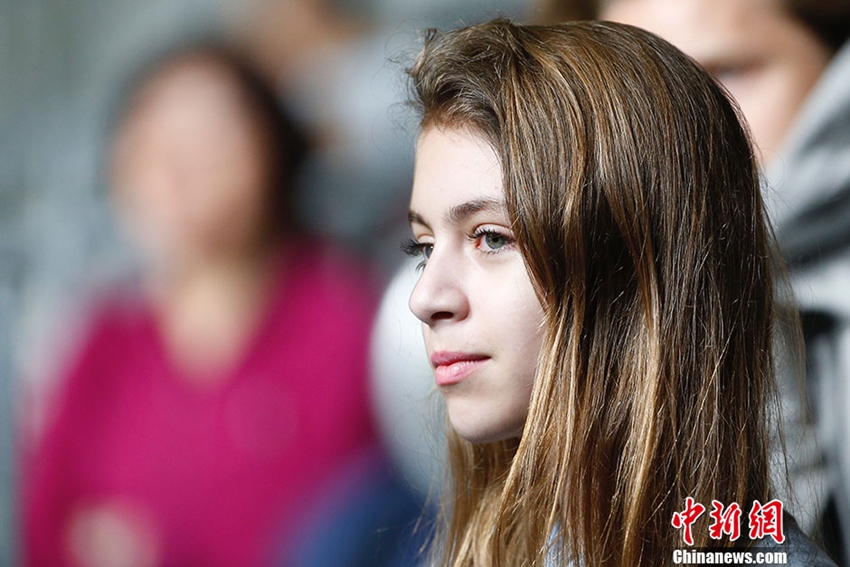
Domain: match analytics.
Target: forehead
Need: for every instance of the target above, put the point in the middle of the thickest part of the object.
(702, 28)
(192, 86)
(453, 166)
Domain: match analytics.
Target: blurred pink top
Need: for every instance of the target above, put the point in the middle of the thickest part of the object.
(140, 466)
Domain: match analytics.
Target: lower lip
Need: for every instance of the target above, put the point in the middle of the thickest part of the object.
(448, 374)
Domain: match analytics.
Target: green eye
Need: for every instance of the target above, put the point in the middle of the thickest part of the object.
(490, 241)
(494, 241)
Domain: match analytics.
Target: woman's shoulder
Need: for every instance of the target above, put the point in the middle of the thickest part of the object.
(98, 325)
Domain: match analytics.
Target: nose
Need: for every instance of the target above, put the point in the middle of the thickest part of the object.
(439, 295)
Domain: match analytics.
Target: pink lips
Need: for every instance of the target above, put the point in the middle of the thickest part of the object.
(452, 367)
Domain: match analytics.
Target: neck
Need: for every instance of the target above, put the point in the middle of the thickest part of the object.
(209, 309)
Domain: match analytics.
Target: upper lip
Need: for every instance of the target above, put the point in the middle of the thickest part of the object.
(444, 357)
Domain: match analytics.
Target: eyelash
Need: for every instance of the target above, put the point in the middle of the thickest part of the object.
(482, 233)
(416, 249)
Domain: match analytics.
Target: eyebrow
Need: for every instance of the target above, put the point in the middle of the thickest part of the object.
(461, 212)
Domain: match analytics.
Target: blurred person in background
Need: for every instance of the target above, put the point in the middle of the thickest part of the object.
(787, 63)
(218, 412)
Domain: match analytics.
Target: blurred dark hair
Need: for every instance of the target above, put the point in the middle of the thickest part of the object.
(287, 142)
(828, 19)
(557, 11)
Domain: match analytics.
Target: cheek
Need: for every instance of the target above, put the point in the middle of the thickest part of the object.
(529, 348)
(521, 324)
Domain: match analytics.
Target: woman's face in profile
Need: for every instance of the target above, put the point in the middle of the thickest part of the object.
(482, 320)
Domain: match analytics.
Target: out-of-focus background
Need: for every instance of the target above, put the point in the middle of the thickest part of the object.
(63, 67)
(79, 218)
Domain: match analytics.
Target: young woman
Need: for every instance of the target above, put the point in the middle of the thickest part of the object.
(596, 294)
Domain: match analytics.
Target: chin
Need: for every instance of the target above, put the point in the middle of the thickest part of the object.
(481, 432)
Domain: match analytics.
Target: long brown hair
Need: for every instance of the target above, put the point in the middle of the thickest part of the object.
(633, 194)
